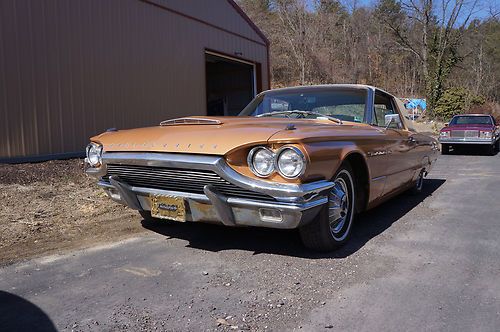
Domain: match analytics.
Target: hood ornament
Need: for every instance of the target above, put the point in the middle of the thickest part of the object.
(190, 121)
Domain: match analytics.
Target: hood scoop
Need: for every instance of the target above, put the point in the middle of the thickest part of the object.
(190, 121)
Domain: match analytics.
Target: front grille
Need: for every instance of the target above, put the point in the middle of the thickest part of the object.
(182, 180)
(464, 133)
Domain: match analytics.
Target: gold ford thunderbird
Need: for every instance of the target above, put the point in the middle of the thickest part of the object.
(305, 157)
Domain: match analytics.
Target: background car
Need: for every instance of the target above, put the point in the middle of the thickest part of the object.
(470, 129)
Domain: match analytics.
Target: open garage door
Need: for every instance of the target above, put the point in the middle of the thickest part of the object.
(231, 84)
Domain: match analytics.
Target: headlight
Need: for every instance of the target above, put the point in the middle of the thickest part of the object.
(485, 134)
(444, 134)
(261, 161)
(94, 154)
(290, 162)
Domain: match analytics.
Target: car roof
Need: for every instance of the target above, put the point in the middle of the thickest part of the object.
(474, 114)
(323, 86)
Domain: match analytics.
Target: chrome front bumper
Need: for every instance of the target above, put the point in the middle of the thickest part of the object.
(467, 140)
(297, 203)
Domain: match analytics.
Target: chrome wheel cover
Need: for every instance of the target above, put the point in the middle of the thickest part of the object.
(338, 207)
(420, 181)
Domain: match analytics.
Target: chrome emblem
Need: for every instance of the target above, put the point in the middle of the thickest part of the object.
(167, 207)
(378, 153)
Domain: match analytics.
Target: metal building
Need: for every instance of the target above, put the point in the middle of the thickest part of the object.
(72, 69)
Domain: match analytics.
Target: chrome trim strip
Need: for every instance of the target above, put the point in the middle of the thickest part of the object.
(93, 171)
(369, 105)
(146, 191)
(280, 191)
(281, 206)
(467, 140)
(190, 121)
(379, 178)
(153, 159)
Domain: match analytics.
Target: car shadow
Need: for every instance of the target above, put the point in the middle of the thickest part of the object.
(18, 314)
(473, 150)
(287, 242)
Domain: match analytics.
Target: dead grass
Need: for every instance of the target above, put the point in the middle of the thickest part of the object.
(53, 206)
(428, 127)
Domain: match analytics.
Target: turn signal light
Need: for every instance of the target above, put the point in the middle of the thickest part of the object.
(271, 215)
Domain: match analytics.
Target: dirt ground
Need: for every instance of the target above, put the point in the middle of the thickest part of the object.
(428, 127)
(53, 206)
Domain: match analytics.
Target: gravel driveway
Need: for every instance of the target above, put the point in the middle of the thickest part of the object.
(429, 262)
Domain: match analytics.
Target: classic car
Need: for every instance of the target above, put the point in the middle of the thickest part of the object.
(303, 157)
(470, 129)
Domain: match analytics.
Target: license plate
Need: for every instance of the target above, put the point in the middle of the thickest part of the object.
(168, 207)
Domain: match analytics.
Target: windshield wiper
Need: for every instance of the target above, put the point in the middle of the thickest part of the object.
(274, 113)
(287, 113)
(321, 115)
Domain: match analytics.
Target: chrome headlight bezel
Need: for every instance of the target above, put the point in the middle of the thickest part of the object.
(251, 164)
(94, 154)
(299, 154)
(485, 134)
(444, 134)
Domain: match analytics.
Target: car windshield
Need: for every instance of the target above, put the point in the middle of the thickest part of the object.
(458, 120)
(341, 104)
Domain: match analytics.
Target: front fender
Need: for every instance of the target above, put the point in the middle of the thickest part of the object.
(326, 157)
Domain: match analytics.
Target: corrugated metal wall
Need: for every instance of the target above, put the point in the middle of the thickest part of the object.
(71, 69)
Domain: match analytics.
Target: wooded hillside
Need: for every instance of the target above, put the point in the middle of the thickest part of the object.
(433, 49)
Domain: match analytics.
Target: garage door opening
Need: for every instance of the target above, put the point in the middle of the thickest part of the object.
(231, 84)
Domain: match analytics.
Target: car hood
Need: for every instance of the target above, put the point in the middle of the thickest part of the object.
(220, 135)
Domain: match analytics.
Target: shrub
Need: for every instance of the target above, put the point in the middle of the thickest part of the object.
(487, 108)
(456, 101)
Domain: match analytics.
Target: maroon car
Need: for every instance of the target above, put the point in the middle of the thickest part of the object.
(470, 129)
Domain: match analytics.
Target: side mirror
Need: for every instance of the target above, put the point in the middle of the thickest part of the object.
(446, 124)
(391, 119)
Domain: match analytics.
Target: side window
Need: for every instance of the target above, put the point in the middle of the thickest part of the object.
(384, 106)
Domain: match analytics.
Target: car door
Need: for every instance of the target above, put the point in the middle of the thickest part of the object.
(400, 142)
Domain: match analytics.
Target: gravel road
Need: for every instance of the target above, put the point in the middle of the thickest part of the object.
(429, 262)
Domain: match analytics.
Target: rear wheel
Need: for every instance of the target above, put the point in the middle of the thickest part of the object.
(419, 185)
(332, 226)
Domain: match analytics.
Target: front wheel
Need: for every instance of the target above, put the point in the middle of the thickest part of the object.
(445, 149)
(332, 226)
(491, 150)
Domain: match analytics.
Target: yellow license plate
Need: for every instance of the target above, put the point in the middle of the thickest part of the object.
(168, 207)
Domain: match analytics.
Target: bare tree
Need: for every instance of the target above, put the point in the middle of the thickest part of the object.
(414, 48)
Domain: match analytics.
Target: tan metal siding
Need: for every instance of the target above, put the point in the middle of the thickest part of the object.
(71, 69)
(216, 12)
